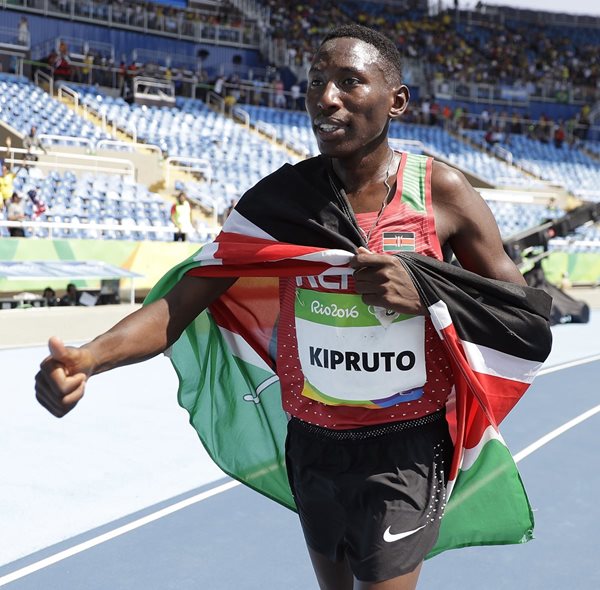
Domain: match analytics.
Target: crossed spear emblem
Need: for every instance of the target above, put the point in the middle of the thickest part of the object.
(255, 395)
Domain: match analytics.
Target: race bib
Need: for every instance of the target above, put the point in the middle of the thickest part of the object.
(350, 355)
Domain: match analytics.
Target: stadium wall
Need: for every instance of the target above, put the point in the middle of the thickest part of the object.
(535, 109)
(44, 29)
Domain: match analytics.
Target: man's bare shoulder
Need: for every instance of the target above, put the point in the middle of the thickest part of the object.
(455, 201)
(448, 183)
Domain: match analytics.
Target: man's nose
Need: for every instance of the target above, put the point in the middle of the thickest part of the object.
(330, 96)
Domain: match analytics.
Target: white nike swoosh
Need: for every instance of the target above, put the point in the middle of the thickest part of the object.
(389, 537)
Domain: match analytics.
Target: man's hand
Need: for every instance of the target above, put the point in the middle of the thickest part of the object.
(141, 335)
(60, 382)
(382, 281)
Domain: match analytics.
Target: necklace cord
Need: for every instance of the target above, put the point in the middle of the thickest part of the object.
(346, 207)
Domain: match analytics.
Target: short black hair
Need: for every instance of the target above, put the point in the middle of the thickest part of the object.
(385, 46)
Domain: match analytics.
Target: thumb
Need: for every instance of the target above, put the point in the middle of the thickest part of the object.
(59, 352)
(363, 250)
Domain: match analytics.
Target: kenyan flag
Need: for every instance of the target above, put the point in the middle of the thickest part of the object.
(229, 386)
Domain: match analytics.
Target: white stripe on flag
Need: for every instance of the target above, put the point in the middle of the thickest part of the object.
(242, 350)
(206, 255)
(492, 362)
(471, 455)
(238, 224)
(333, 257)
(440, 317)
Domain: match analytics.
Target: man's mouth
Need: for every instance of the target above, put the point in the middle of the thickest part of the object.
(327, 128)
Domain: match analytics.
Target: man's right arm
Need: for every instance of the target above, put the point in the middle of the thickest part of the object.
(60, 383)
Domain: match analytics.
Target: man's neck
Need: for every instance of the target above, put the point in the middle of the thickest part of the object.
(359, 171)
(367, 181)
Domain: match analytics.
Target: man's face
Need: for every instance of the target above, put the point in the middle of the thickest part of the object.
(349, 98)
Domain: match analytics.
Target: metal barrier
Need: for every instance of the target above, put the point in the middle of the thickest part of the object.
(115, 143)
(151, 89)
(503, 154)
(216, 101)
(50, 139)
(73, 162)
(66, 92)
(241, 115)
(267, 129)
(52, 226)
(189, 165)
(40, 77)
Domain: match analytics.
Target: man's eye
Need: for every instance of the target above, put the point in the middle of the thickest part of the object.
(315, 83)
(350, 82)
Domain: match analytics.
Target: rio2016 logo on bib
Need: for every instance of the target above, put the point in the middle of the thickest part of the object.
(348, 357)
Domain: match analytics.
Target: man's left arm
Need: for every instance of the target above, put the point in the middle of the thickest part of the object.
(464, 222)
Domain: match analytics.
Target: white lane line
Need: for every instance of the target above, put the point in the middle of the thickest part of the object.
(569, 364)
(555, 433)
(57, 557)
(136, 524)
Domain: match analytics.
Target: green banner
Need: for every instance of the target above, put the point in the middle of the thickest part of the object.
(150, 259)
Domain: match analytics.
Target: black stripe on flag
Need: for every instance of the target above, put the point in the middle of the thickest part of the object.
(510, 318)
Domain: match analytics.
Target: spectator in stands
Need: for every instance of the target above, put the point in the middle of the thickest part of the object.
(87, 71)
(6, 185)
(16, 212)
(23, 33)
(583, 123)
(32, 143)
(230, 101)
(50, 296)
(219, 87)
(434, 113)
(62, 65)
(181, 216)
(544, 129)
(45, 64)
(559, 135)
(446, 116)
(493, 136)
(516, 126)
(257, 92)
(484, 119)
(71, 297)
(279, 88)
(296, 103)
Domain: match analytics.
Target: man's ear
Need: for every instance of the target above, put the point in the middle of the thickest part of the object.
(401, 98)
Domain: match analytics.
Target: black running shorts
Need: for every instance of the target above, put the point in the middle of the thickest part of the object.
(374, 495)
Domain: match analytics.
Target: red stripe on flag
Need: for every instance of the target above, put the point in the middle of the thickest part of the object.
(247, 309)
(238, 255)
(481, 400)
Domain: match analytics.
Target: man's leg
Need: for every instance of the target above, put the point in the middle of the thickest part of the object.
(337, 575)
(331, 575)
(405, 582)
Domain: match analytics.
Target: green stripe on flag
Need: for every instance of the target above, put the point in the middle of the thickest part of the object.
(246, 439)
(488, 505)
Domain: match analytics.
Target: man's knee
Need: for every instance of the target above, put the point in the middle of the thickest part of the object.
(331, 575)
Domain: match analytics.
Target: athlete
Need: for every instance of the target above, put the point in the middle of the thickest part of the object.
(367, 467)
